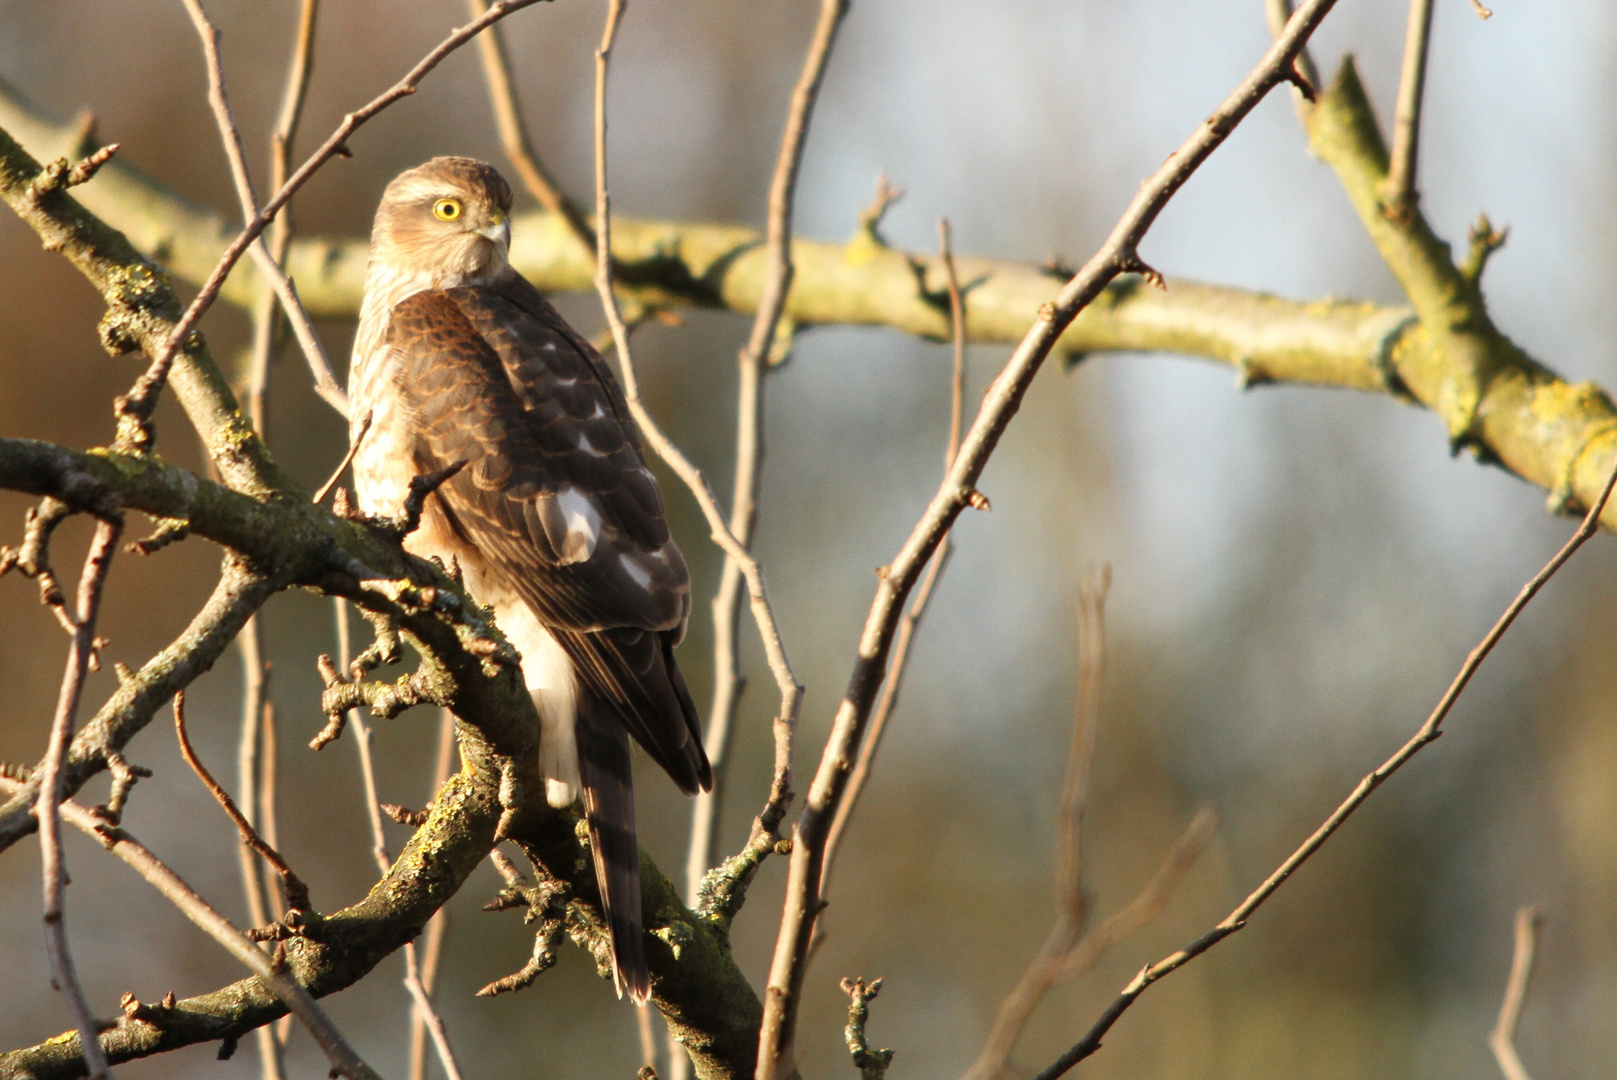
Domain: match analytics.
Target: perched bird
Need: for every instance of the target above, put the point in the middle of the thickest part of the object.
(555, 520)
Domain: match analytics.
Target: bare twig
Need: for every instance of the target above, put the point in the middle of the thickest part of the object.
(1502, 1040)
(255, 693)
(420, 996)
(255, 706)
(438, 925)
(325, 383)
(755, 361)
(1068, 951)
(135, 408)
(1428, 733)
(513, 130)
(791, 692)
(347, 460)
(872, 1064)
(423, 1008)
(297, 893)
(1148, 905)
(1400, 195)
(32, 558)
(911, 621)
(344, 1061)
(53, 869)
(1279, 14)
(1118, 255)
(265, 320)
(1482, 12)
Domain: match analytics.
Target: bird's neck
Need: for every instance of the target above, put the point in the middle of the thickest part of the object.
(387, 284)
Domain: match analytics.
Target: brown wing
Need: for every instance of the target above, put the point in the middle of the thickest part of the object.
(555, 496)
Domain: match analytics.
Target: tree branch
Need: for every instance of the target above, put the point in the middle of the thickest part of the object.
(760, 353)
(266, 321)
(513, 131)
(1428, 733)
(791, 691)
(1502, 1040)
(293, 996)
(1400, 195)
(911, 622)
(325, 383)
(1118, 255)
(53, 868)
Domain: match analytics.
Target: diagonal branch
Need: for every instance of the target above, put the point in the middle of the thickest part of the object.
(1118, 255)
(911, 622)
(1428, 733)
(1502, 1040)
(297, 893)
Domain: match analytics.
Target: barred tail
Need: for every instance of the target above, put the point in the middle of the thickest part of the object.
(604, 768)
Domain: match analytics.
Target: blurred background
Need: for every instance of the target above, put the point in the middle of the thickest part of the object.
(1298, 572)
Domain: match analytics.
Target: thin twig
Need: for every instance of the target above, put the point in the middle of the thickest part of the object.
(53, 868)
(420, 996)
(1278, 13)
(1118, 255)
(872, 1064)
(1502, 1040)
(791, 692)
(1399, 195)
(344, 1060)
(135, 408)
(325, 382)
(266, 322)
(911, 621)
(255, 691)
(438, 925)
(347, 460)
(755, 361)
(254, 708)
(297, 893)
(1067, 951)
(513, 130)
(1428, 733)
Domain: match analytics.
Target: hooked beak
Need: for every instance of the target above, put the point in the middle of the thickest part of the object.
(498, 229)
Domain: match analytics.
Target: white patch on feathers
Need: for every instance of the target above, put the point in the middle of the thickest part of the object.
(548, 672)
(583, 523)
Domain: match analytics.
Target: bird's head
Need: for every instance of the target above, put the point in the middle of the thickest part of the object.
(448, 219)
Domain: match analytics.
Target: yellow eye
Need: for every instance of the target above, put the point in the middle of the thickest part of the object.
(446, 209)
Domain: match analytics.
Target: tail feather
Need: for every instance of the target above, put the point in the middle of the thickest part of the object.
(604, 768)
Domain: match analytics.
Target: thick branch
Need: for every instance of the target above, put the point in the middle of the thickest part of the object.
(1491, 395)
(1532, 422)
